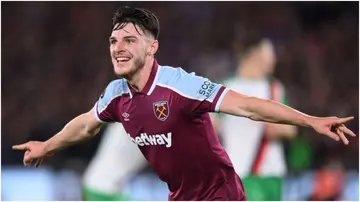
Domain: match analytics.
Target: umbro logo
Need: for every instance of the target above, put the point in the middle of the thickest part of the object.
(126, 116)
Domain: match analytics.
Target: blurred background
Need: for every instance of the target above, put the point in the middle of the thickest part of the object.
(55, 64)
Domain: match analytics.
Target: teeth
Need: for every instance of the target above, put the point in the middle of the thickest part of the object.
(122, 59)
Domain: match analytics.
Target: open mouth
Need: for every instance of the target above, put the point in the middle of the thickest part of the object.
(122, 59)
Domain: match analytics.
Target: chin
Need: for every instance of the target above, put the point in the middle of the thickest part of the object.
(121, 71)
(121, 74)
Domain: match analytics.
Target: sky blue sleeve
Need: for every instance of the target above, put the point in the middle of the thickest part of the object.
(105, 110)
(200, 94)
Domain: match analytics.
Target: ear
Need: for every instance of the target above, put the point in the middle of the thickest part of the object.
(154, 47)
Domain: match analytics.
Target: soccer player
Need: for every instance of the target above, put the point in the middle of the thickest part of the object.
(165, 111)
(254, 147)
(259, 143)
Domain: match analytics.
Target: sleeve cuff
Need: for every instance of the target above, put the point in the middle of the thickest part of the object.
(96, 114)
(221, 98)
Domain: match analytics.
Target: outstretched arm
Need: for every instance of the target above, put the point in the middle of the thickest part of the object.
(274, 112)
(79, 129)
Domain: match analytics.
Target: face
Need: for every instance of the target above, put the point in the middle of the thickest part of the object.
(128, 50)
(268, 57)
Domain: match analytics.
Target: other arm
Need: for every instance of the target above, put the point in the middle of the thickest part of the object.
(276, 131)
(274, 112)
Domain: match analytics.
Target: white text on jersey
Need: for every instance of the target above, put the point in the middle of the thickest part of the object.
(145, 139)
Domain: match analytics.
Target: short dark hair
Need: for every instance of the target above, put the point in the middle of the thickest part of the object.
(145, 19)
(246, 42)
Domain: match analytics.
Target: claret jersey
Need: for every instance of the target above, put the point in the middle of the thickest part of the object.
(169, 122)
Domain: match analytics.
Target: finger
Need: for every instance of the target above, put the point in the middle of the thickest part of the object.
(42, 160)
(347, 131)
(20, 147)
(38, 162)
(332, 135)
(344, 120)
(342, 136)
(28, 163)
(28, 160)
(27, 154)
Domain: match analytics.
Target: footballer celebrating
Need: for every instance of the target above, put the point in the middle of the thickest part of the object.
(165, 111)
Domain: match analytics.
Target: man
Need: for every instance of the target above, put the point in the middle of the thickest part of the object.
(260, 143)
(115, 160)
(256, 152)
(164, 110)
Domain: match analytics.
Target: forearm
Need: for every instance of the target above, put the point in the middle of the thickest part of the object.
(274, 112)
(76, 131)
(276, 131)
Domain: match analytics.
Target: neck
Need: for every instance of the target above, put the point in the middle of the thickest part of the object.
(138, 80)
(249, 69)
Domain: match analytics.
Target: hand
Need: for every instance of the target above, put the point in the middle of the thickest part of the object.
(34, 150)
(333, 127)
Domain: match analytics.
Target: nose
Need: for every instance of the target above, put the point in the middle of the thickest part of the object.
(118, 47)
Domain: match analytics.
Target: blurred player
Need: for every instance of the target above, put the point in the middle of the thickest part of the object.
(165, 111)
(257, 154)
(254, 147)
(114, 161)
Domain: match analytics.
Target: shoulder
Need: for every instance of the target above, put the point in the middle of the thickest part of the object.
(279, 91)
(186, 84)
(171, 75)
(276, 83)
(177, 77)
(114, 89)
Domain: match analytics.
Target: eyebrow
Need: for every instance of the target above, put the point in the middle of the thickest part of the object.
(125, 37)
(130, 37)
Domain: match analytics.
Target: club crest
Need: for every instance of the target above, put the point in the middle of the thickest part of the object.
(161, 110)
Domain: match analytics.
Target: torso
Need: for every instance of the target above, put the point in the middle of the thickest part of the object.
(171, 127)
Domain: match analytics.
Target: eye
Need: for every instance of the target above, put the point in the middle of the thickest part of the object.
(129, 41)
(112, 41)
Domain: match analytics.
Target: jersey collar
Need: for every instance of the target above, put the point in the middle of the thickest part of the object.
(150, 84)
